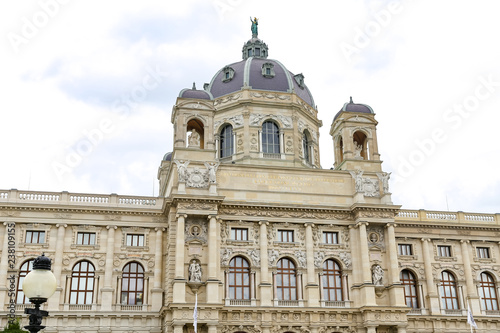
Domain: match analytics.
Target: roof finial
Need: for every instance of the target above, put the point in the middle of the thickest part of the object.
(351, 102)
(194, 86)
(255, 31)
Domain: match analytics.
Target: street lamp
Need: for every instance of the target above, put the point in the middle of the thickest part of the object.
(38, 286)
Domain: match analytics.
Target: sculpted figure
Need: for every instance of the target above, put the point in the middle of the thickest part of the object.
(182, 170)
(212, 171)
(194, 138)
(357, 149)
(194, 271)
(384, 178)
(358, 179)
(254, 28)
(377, 275)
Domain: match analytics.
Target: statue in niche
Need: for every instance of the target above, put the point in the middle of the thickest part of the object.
(254, 28)
(182, 170)
(384, 178)
(194, 271)
(212, 171)
(194, 138)
(357, 150)
(377, 275)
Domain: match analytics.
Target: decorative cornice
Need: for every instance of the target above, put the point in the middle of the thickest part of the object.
(285, 212)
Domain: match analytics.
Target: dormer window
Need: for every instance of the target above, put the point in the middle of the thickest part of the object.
(268, 70)
(228, 74)
(257, 52)
(299, 78)
(250, 53)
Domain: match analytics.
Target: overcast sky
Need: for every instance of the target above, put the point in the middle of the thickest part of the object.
(87, 87)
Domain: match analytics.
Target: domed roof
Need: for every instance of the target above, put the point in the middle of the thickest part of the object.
(193, 93)
(167, 157)
(355, 107)
(261, 74)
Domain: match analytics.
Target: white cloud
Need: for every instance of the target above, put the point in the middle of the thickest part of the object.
(425, 58)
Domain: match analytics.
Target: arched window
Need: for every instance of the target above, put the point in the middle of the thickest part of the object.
(26, 267)
(270, 138)
(305, 147)
(226, 141)
(487, 292)
(239, 278)
(82, 283)
(410, 283)
(286, 280)
(132, 284)
(448, 291)
(332, 281)
(360, 145)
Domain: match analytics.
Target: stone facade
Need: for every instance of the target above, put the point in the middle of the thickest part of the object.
(263, 241)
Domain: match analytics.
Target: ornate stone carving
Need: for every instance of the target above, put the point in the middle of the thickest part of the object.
(195, 271)
(377, 275)
(182, 169)
(196, 205)
(346, 259)
(255, 255)
(318, 259)
(196, 231)
(375, 237)
(272, 255)
(271, 96)
(384, 179)
(212, 172)
(257, 118)
(369, 187)
(227, 99)
(237, 121)
(301, 258)
(225, 255)
(196, 178)
(270, 212)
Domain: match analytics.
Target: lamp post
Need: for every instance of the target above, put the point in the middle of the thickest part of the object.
(38, 286)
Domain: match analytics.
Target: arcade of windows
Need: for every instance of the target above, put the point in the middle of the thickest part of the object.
(271, 139)
(240, 285)
(83, 283)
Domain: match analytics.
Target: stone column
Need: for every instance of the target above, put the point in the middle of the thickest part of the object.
(432, 296)
(396, 291)
(157, 291)
(179, 287)
(212, 328)
(401, 329)
(213, 295)
(312, 290)
(56, 299)
(472, 296)
(368, 289)
(266, 292)
(107, 290)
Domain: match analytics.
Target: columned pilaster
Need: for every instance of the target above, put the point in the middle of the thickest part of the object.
(472, 296)
(107, 290)
(312, 291)
(368, 289)
(396, 291)
(179, 289)
(157, 291)
(433, 299)
(55, 300)
(212, 280)
(266, 292)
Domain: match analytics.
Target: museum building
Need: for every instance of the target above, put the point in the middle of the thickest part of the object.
(251, 234)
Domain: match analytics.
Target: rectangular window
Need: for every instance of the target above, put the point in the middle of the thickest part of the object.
(240, 234)
(444, 251)
(405, 249)
(257, 51)
(85, 238)
(483, 252)
(135, 240)
(330, 237)
(268, 71)
(35, 236)
(285, 236)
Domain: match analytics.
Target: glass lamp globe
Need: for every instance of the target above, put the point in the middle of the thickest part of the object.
(40, 282)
